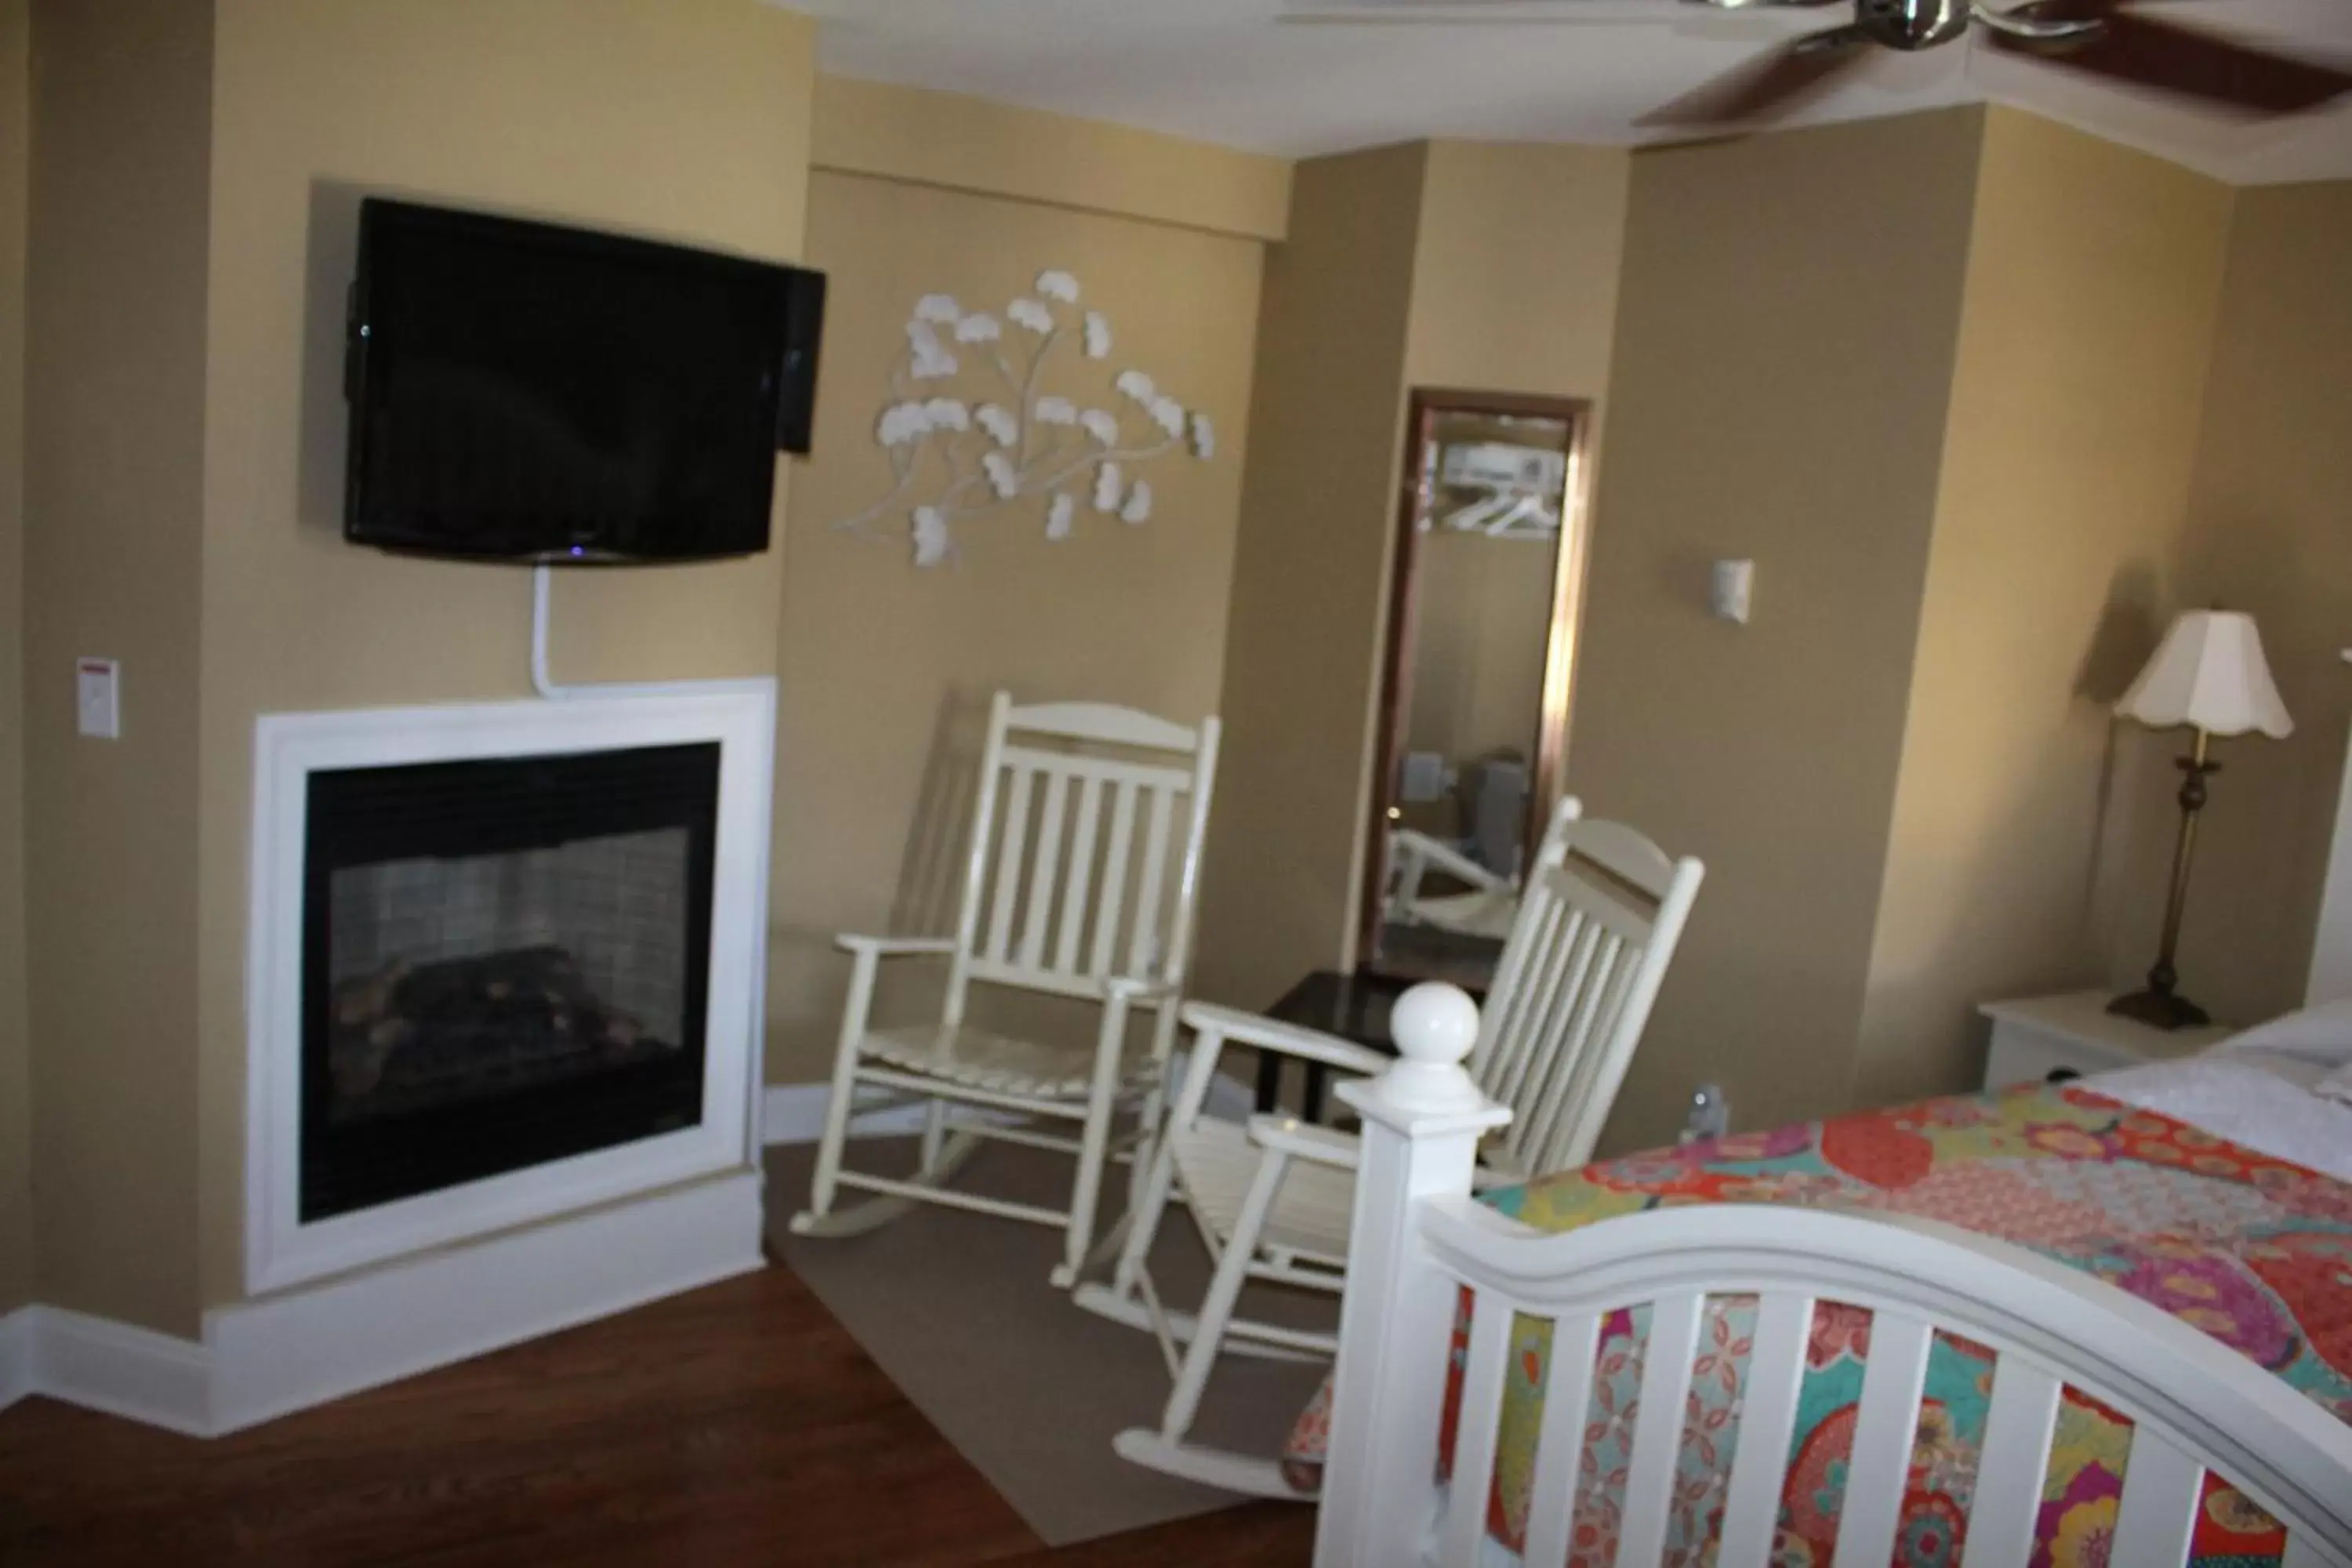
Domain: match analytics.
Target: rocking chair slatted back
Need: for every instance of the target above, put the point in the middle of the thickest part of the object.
(1598, 919)
(1082, 808)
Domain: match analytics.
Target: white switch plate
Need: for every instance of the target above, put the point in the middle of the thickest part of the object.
(1735, 590)
(98, 696)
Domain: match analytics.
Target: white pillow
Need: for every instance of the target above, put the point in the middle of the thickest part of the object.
(2320, 1035)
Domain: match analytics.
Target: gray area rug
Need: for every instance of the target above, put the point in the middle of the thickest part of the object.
(956, 1310)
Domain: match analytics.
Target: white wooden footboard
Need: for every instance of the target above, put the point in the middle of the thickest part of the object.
(2196, 1405)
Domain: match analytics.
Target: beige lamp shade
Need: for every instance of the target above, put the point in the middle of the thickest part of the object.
(2209, 674)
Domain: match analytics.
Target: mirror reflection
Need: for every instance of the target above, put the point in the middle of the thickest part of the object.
(1474, 708)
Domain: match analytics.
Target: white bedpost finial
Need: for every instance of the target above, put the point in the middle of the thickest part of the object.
(1434, 1026)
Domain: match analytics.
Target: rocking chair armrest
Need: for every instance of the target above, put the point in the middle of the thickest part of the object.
(1268, 1034)
(1302, 1140)
(894, 946)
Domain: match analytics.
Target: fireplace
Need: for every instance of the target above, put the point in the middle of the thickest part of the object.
(504, 963)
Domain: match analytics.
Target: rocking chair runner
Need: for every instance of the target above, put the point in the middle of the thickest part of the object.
(1080, 880)
(1599, 921)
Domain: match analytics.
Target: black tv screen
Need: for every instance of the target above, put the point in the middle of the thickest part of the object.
(521, 390)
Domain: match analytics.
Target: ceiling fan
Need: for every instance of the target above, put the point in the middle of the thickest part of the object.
(2105, 38)
(2100, 38)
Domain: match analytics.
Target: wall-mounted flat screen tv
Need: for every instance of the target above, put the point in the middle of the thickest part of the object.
(525, 391)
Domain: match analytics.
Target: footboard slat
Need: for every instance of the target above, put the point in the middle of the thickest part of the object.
(1559, 1445)
(1767, 1417)
(1474, 1428)
(1658, 1427)
(2018, 1430)
(1884, 1430)
(2162, 1484)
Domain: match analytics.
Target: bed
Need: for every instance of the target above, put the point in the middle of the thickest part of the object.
(2107, 1322)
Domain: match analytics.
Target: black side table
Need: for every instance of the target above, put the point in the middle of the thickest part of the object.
(1352, 1006)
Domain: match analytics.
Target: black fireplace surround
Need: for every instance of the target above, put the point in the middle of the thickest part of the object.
(505, 963)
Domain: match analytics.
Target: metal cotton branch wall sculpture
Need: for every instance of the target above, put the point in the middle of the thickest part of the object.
(953, 457)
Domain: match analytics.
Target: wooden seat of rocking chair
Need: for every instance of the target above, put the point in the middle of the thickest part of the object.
(1001, 1064)
(1308, 1223)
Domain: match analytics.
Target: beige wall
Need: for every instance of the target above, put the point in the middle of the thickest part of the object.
(2095, 274)
(886, 669)
(1303, 629)
(968, 144)
(2272, 513)
(1516, 267)
(1468, 264)
(687, 120)
(115, 367)
(1783, 365)
(16, 1063)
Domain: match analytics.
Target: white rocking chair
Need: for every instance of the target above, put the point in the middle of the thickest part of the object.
(1598, 921)
(1080, 881)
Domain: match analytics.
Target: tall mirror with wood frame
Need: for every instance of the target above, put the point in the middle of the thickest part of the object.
(1473, 722)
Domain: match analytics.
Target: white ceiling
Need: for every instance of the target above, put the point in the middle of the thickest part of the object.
(1226, 71)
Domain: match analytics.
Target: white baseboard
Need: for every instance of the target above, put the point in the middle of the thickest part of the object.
(103, 1365)
(794, 1113)
(15, 1356)
(282, 1353)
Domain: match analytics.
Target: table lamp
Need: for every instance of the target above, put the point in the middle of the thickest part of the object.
(2209, 676)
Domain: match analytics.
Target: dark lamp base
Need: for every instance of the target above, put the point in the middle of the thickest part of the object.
(2160, 1010)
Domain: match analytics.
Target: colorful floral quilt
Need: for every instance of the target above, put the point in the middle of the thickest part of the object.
(2255, 1251)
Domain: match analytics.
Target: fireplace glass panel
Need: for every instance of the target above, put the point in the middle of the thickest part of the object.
(463, 978)
(504, 963)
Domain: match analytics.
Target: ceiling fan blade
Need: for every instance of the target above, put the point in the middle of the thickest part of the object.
(1517, 13)
(1474, 13)
(2036, 25)
(2187, 62)
(1781, 78)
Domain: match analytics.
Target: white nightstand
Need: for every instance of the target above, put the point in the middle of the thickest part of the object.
(2047, 1038)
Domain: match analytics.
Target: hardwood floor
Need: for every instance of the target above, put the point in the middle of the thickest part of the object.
(737, 1425)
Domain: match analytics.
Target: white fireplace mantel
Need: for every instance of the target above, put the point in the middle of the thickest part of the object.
(282, 1251)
